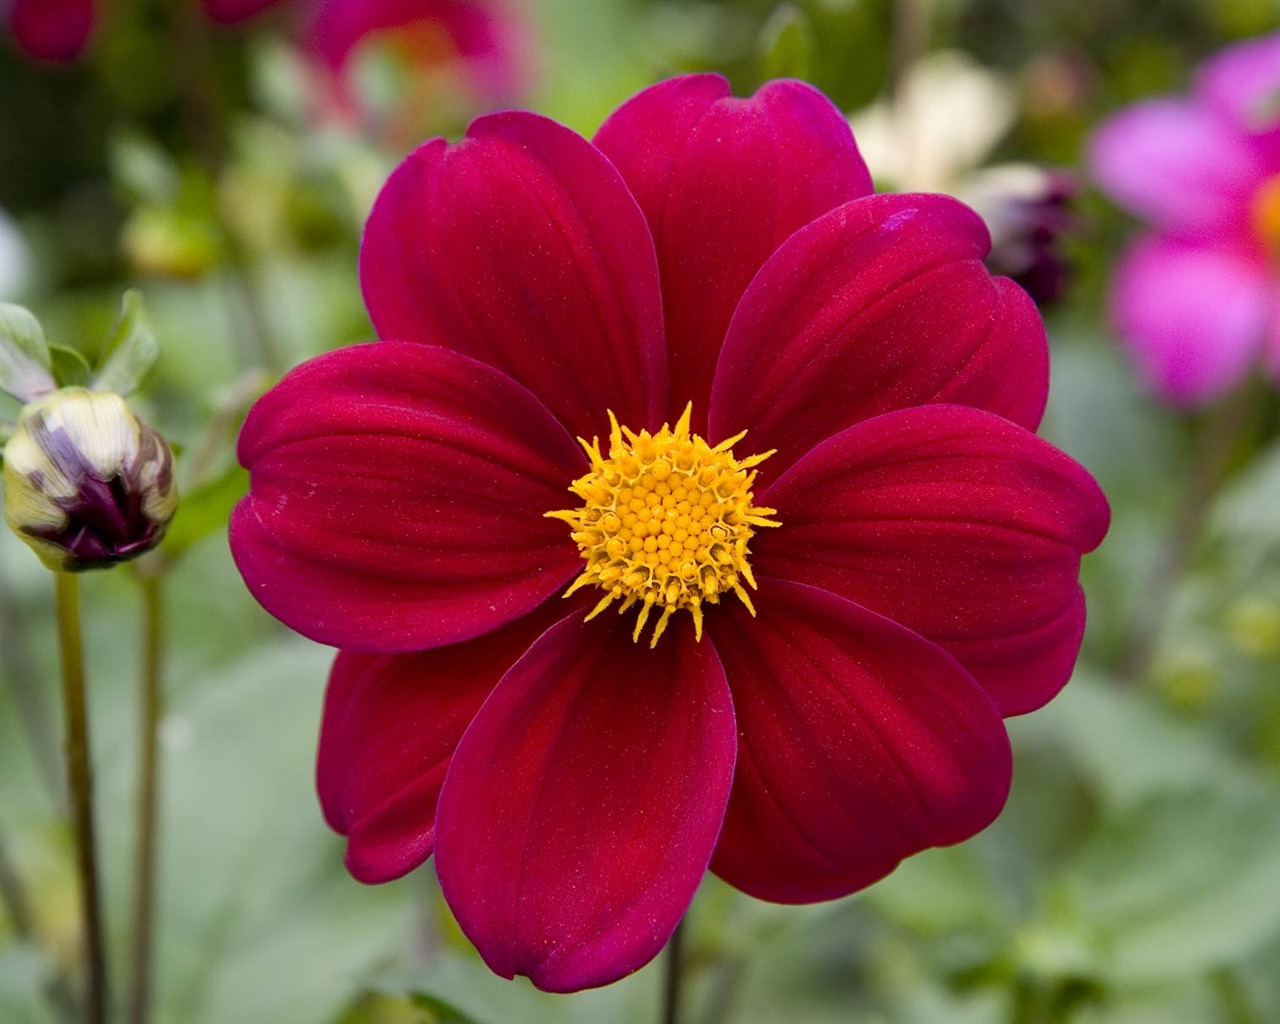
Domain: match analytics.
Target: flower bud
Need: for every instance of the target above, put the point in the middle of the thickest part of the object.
(86, 483)
(1028, 210)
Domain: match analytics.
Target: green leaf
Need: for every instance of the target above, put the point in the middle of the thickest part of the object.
(24, 356)
(143, 168)
(1131, 749)
(1181, 885)
(70, 368)
(131, 350)
(205, 510)
(261, 922)
(787, 44)
(23, 976)
(385, 1008)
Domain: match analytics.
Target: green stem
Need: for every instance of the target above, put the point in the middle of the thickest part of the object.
(80, 788)
(148, 750)
(205, 116)
(1207, 472)
(673, 976)
(911, 31)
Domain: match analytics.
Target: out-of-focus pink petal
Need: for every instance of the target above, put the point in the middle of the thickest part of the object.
(859, 744)
(520, 246)
(391, 723)
(1192, 316)
(397, 497)
(231, 12)
(723, 182)
(52, 30)
(1242, 83)
(882, 303)
(583, 803)
(955, 523)
(1178, 165)
(489, 38)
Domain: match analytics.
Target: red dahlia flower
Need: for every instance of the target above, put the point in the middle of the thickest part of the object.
(832, 638)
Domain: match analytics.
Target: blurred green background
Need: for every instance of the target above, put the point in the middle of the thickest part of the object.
(1135, 875)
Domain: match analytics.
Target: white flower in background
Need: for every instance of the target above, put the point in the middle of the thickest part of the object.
(946, 119)
(948, 116)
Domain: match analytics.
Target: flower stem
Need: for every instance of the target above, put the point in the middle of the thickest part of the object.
(1208, 470)
(673, 976)
(148, 761)
(80, 788)
(205, 115)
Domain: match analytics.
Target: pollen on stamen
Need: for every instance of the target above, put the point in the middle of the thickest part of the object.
(665, 523)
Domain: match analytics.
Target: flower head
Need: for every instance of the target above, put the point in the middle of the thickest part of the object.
(821, 622)
(86, 483)
(1194, 296)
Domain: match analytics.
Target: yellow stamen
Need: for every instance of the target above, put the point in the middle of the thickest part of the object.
(665, 522)
(1266, 214)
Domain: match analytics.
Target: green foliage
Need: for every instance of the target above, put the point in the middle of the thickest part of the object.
(131, 349)
(24, 355)
(787, 44)
(69, 366)
(204, 511)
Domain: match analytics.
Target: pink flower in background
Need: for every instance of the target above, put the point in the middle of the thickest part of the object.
(824, 619)
(1197, 297)
(230, 12)
(487, 40)
(52, 30)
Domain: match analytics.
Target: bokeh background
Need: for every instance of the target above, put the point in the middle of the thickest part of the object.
(1135, 875)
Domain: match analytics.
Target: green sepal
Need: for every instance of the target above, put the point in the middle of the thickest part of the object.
(24, 356)
(131, 350)
(70, 368)
(787, 44)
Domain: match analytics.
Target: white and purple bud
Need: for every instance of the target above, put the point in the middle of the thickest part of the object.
(87, 484)
(1028, 210)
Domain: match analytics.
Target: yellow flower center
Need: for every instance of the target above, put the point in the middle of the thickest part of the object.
(1266, 214)
(665, 522)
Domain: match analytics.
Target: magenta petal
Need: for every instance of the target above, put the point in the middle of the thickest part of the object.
(1243, 82)
(391, 724)
(230, 12)
(582, 805)
(1177, 164)
(52, 30)
(955, 523)
(723, 182)
(396, 499)
(880, 304)
(1193, 317)
(860, 744)
(521, 247)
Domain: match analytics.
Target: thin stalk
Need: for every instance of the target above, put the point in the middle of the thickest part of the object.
(912, 28)
(1206, 474)
(673, 976)
(205, 116)
(150, 709)
(80, 788)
